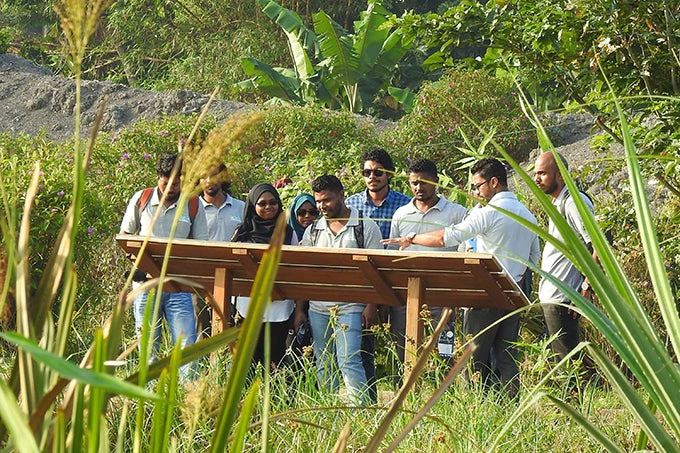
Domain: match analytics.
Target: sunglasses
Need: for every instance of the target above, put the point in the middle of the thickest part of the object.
(366, 172)
(306, 212)
(264, 204)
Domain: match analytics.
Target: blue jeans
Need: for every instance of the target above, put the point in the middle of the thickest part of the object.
(337, 345)
(178, 311)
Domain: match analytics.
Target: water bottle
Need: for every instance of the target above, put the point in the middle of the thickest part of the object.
(445, 344)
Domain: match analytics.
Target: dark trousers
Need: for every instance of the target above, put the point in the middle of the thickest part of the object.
(500, 340)
(368, 361)
(278, 335)
(559, 320)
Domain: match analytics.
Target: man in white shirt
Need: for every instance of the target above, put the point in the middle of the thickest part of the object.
(559, 318)
(337, 327)
(223, 214)
(510, 242)
(427, 211)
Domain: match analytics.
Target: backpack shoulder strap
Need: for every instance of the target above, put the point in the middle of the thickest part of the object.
(359, 230)
(314, 233)
(144, 198)
(193, 209)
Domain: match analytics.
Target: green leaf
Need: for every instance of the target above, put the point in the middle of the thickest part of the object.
(244, 419)
(589, 427)
(369, 36)
(405, 97)
(15, 421)
(337, 48)
(71, 371)
(270, 80)
(631, 398)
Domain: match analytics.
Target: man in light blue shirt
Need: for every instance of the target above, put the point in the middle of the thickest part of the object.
(511, 243)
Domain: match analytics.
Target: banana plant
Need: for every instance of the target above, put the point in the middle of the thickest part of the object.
(331, 67)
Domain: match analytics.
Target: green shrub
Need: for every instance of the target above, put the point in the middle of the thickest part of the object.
(301, 144)
(433, 128)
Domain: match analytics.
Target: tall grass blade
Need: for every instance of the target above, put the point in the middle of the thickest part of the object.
(28, 375)
(71, 371)
(637, 406)
(455, 371)
(424, 355)
(260, 296)
(243, 426)
(650, 242)
(585, 423)
(96, 397)
(341, 443)
(15, 421)
(531, 398)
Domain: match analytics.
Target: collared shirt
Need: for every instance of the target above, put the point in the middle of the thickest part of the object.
(409, 219)
(344, 238)
(223, 220)
(382, 215)
(136, 222)
(499, 234)
(553, 261)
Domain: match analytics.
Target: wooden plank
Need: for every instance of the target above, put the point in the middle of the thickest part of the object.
(375, 277)
(414, 327)
(251, 265)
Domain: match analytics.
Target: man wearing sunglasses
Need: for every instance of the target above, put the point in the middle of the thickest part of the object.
(513, 244)
(377, 202)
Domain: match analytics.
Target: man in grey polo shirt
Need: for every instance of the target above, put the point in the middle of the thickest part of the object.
(511, 243)
(559, 318)
(223, 212)
(176, 308)
(427, 211)
(337, 327)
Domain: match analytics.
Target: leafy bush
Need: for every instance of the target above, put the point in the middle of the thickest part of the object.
(433, 128)
(301, 144)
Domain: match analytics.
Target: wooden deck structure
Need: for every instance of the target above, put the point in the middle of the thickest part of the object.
(387, 277)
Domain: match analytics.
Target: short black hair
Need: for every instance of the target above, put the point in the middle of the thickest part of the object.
(490, 167)
(165, 164)
(327, 182)
(378, 155)
(423, 165)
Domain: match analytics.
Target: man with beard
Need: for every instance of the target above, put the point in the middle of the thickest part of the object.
(377, 202)
(427, 211)
(337, 327)
(512, 244)
(559, 318)
(223, 213)
(176, 308)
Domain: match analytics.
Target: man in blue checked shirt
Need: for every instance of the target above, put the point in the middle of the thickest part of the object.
(377, 202)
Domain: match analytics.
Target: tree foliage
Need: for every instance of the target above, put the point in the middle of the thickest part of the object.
(566, 52)
(332, 67)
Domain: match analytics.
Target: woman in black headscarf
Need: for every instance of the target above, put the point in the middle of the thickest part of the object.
(262, 209)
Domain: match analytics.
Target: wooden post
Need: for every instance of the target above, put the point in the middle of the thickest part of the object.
(222, 292)
(414, 327)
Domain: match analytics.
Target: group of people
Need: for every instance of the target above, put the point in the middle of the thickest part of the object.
(375, 218)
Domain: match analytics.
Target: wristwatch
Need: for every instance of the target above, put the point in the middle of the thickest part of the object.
(410, 237)
(585, 286)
